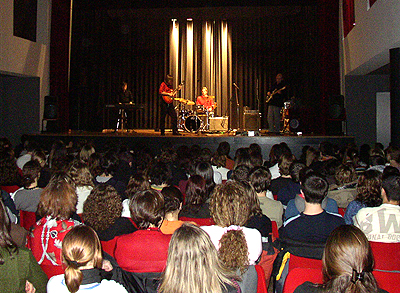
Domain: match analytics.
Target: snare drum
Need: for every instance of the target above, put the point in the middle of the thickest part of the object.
(200, 109)
(193, 124)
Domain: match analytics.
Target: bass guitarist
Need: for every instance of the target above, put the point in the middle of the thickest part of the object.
(167, 94)
(275, 99)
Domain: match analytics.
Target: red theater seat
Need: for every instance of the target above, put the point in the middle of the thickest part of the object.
(298, 276)
(386, 256)
(199, 221)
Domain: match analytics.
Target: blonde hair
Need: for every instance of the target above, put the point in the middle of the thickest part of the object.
(193, 265)
(81, 247)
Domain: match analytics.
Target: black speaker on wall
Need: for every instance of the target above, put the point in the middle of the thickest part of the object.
(50, 107)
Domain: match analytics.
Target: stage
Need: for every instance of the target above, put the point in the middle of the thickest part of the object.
(153, 141)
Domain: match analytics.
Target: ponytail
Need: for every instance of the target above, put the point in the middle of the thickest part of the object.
(233, 251)
(73, 276)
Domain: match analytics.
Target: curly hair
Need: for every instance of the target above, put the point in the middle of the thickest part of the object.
(102, 207)
(80, 173)
(233, 251)
(229, 205)
(369, 188)
(345, 173)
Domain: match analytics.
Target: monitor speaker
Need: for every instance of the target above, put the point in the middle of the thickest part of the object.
(251, 121)
(50, 107)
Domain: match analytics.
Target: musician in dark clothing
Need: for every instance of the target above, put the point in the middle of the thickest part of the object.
(125, 95)
(277, 96)
(167, 94)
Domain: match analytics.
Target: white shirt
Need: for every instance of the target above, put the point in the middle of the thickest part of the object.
(380, 224)
(253, 239)
(57, 285)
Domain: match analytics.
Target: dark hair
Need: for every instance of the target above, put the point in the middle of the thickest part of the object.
(109, 163)
(252, 198)
(314, 187)
(391, 186)
(196, 193)
(136, 183)
(205, 170)
(240, 173)
(294, 171)
(160, 173)
(260, 178)
(5, 237)
(102, 207)
(389, 171)
(255, 155)
(30, 172)
(369, 188)
(172, 198)
(147, 208)
(224, 148)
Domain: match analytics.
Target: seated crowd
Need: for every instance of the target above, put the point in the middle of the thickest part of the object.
(192, 221)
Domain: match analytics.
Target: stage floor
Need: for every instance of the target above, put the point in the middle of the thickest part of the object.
(153, 141)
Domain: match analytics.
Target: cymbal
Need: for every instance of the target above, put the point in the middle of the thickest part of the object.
(190, 103)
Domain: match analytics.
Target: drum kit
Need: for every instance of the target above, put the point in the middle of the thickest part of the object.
(191, 117)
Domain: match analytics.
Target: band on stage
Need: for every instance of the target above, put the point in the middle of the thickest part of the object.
(193, 116)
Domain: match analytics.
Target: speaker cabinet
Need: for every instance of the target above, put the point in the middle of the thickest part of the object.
(219, 123)
(252, 121)
(50, 107)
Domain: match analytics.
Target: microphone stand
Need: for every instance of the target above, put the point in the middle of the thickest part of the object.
(237, 106)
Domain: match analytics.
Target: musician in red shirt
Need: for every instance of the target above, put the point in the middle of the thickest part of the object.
(167, 107)
(206, 100)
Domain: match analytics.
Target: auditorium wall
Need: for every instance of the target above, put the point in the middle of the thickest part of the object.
(26, 60)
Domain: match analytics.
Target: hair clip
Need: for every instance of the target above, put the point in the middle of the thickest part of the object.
(357, 276)
(233, 228)
(74, 263)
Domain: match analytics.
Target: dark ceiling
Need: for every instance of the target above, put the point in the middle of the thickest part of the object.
(115, 4)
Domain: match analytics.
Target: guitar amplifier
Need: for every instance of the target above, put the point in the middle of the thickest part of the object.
(218, 123)
(251, 120)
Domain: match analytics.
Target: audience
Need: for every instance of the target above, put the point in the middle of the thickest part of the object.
(347, 264)
(56, 207)
(19, 270)
(102, 211)
(314, 224)
(284, 179)
(368, 194)
(137, 182)
(196, 205)
(381, 223)
(193, 265)
(344, 189)
(81, 252)
(83, 180)
(260, 178)
(27, 198)
(145, 250)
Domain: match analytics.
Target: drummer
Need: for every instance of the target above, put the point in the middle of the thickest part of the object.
(206, 100)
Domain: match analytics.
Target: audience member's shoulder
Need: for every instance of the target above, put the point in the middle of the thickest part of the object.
(308, 287)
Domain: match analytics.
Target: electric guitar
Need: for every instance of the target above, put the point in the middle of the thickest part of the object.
(169, 99)
(269, 97)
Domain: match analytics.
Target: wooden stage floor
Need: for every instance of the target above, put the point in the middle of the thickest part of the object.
(153, 141)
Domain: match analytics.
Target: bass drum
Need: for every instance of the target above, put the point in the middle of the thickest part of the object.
(192, 124)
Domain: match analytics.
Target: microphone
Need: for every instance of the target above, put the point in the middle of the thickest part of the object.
(235, 85)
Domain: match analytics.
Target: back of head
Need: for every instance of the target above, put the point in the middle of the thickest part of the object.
(348, 261)
(369, 188)
(58, 199)
(30, 172)
(147, 208)
(294, 171)
(102, 207)
(224, 148)
(284, 163)
(260, 178)
(391, 186)
(173, 198)
(136, 183)
(80, 173)
(193, 265)
(240, 173)
(160, 173)
(229, 204)
(5, 227)
(314, 187)
(81, 247)
(196, 191)
(345, 174)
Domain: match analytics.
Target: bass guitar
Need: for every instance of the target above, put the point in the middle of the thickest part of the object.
(169, 99)
(276, 91)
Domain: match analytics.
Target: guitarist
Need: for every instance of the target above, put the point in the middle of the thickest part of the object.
(278, 95)
(167, 107)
